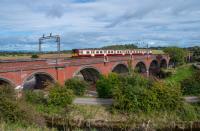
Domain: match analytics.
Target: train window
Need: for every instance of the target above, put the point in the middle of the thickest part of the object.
(118, 52)
(88, 52)
(97, 52)
(101, 52)
(105, 51)
(108, 52)
(112, 51)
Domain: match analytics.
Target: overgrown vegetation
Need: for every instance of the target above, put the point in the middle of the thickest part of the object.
(191, 85)
(79, 87)
(177, 55)
(17, 111)
(135, 93)
(60, 96)
(106, 84)
(136, 100)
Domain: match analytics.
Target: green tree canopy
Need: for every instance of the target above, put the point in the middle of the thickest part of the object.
(121, 47)
(177, 54)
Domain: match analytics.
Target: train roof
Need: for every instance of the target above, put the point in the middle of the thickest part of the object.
(109, 49)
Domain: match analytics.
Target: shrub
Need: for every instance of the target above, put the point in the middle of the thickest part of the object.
(34, 97)
(7, 92)
(34, 56)
(164, 74)
(105, 85)
(60, 96)
(19, 112)
(168, 95)
(191, 86)
(187, 113)
(136, 93)
(78, 86)
(132, 95)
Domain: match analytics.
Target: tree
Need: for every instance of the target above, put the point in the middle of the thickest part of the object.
(79, 87)
(176, 54)
(34, 56)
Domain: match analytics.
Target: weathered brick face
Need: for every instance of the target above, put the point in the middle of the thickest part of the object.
(16, 72)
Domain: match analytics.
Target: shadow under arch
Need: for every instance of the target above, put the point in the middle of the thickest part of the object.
(140, 67)
(6, 82)
(88, 73)
(120, 68)
(38, 80)
(154, 67)
(163, 63)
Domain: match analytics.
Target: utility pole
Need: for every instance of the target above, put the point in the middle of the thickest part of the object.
(43, 38)
(147, 59)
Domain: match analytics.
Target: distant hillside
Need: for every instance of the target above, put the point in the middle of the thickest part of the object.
(120, 47)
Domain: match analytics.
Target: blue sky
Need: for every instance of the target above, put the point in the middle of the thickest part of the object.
(96, 23)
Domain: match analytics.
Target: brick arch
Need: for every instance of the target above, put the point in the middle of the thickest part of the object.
(44, 73)
(8, 81)
(89, 73)
(139, 64)
(84, 67)
(124, 68)
(163, 62)
(154, 67)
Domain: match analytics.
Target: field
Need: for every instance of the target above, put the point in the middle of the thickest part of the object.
(28, 56)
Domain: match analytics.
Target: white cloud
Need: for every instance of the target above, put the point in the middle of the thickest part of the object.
(95, 23)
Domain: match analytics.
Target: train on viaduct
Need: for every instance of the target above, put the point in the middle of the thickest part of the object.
(20, 73)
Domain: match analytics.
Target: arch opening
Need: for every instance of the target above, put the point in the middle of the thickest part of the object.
(4, 82)
(38, 81)
(140, 67)
(120, 69)
(154, 68)
(89, 74)
(163, 64)
(171, 63)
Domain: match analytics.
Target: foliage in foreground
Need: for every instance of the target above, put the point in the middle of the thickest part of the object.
(17, 111)
(135, 93)
(78, 86)
(60, 96)
(105, 85)
(191, 85)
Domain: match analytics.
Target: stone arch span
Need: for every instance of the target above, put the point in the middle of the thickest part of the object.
(88, 73)
(154, 67)
(140, 67)
(6, 82)
(163, 63)
(38, 80)
(120, 68)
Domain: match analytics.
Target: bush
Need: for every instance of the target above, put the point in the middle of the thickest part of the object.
(34, 97)
(60, 96)
(78, 86)
(188, 113)
(19, 112)
(168, 95)
(164, 74)
(132, 94)
(105, 85)
(34, 56)
(7, 92)
(191, 86)
(136, 93)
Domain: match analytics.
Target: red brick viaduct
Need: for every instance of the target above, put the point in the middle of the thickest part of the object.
(20, 72)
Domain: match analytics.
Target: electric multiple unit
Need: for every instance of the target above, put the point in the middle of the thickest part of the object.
(103, 52)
